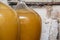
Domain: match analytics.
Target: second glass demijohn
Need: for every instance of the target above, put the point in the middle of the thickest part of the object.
(8, 23)
(29, 21)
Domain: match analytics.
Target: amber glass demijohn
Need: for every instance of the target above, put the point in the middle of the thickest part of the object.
(29, 21)
(8, 23)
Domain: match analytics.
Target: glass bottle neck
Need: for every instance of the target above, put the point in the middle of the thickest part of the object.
(21, 5)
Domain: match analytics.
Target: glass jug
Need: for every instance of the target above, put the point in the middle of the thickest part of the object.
(8, 23)
(30, 23)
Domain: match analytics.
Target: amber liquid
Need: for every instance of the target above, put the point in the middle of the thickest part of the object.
(8, 23)
(30, 25)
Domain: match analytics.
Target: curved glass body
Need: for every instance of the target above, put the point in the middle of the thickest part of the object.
(8, 23)
(30, 23)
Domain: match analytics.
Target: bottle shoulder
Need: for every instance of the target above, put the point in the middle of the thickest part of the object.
(6, 10)
(23, 12)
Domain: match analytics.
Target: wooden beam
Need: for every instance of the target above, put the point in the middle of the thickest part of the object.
(37, 3)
